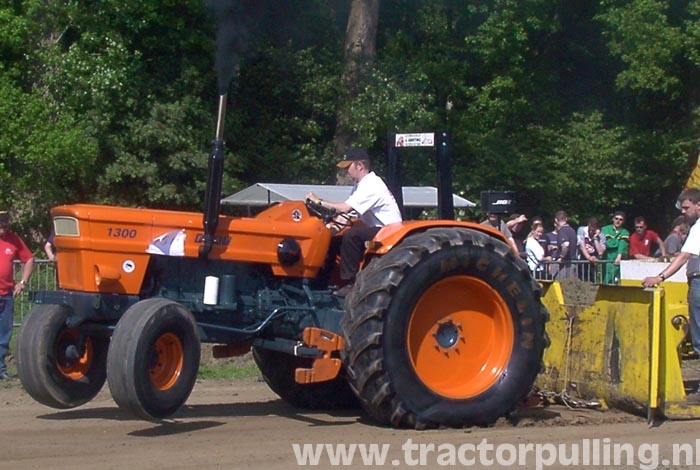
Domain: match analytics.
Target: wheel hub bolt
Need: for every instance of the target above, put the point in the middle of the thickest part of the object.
(447, 335)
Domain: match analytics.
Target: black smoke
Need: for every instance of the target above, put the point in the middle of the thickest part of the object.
(234, 21)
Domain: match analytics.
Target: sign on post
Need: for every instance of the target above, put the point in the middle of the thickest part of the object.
(422, 139)
(426, 139)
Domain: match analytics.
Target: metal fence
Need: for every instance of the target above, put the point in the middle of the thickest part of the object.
(43, 278)
(602, 272)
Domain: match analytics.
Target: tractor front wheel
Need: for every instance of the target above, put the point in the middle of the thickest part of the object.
(447, 329)
(58, 366)
(154, 358)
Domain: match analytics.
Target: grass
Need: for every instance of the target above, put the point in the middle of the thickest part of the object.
(228, 371)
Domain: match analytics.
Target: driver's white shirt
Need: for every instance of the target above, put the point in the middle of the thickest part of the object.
(374, 202)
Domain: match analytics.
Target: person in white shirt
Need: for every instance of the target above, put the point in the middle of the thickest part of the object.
(372, 200)
(534, 250)
(689, 203)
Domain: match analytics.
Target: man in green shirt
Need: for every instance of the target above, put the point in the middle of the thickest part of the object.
(617, 240)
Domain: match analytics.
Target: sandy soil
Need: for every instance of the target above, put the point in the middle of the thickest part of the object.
(242, 424)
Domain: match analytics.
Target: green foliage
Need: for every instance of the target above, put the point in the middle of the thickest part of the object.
(284, 116)
(161, 157)
(13, 32)
(45, 156)
(97, 76)
(592, 166)
(691, 28)
(389, 104)
(582, 106)
(639, 33)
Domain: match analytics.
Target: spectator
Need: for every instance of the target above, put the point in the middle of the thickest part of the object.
(543, 237)
(674, 240)
(515, 224)
(591, 247)
(642, 240)
(11, 248)
(516, 219)
(495, 222)
(566, 246)
(616, 244)
(535, 253)
(551, 240)
(689, 202)
(50, 248)
(374, 202)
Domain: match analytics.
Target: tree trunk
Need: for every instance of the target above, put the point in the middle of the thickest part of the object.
(360, 46)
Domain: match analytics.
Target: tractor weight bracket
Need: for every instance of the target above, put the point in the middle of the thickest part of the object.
(325, 367)
(317, 344)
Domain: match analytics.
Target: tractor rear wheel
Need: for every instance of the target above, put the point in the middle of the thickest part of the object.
(154, 358)
(447, 329)
(278, 368)
(58, 366)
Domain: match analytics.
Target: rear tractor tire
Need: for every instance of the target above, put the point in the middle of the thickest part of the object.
(58, 366)
(154, 358)
(447, 329)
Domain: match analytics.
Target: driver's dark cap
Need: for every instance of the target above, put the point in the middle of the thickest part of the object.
(352, 155)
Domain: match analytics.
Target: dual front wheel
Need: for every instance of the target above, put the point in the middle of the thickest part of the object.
(153, 359)
(59, 366)
(151, 362)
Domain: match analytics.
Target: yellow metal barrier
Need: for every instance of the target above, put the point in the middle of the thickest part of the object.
(618, 346)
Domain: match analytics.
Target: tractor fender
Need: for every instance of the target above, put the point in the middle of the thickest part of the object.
(390, 235)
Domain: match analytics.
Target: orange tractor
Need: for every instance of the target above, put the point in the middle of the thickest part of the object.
(444, 327)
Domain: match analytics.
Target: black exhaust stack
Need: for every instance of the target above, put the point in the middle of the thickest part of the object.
(215, 174)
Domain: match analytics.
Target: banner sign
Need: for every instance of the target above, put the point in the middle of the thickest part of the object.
(415, 140)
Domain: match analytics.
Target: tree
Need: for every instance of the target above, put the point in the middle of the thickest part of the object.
(359, 53)
(97, 98)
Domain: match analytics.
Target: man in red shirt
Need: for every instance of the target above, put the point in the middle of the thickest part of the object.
(642, 239)
(11, 247)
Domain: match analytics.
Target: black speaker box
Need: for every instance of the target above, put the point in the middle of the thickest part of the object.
(498, 202)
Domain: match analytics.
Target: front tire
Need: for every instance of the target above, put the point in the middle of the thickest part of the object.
(58, 366)
(154, 358)
(446, 329)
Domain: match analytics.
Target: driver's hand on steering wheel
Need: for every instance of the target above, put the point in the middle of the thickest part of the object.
(313, 198)
(333, 227)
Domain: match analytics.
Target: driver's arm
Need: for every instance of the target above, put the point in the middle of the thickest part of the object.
(341, 207)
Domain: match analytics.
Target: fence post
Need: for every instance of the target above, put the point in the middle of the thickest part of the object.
(43, 278)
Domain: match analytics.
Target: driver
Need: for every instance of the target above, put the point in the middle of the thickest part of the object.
(372, 200)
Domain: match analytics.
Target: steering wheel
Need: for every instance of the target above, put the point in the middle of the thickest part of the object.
(329, 215)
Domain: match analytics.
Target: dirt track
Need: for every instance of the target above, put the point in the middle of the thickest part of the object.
(243, 425)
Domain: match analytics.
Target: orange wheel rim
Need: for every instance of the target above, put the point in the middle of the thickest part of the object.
(166, 361)
(74, 368)
(460, 337)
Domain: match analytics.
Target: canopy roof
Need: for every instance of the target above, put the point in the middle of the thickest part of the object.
(264, 194)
